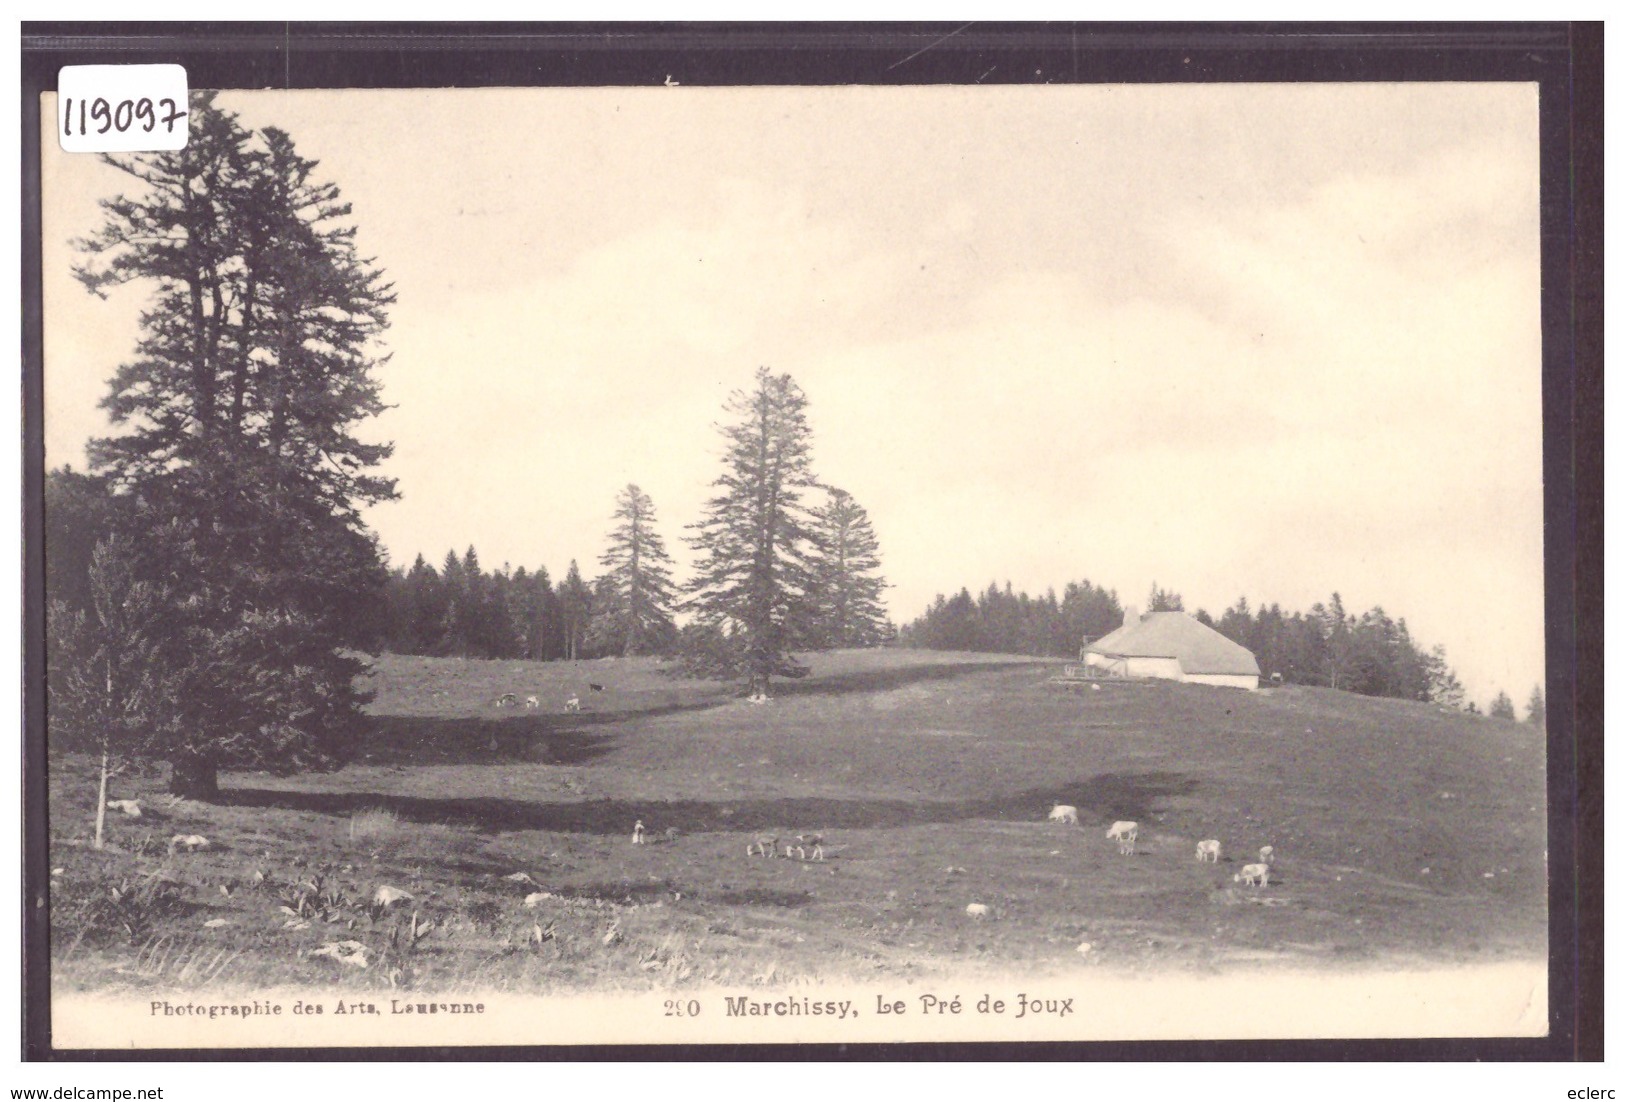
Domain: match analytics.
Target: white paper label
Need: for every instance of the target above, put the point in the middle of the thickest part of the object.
(121, 108)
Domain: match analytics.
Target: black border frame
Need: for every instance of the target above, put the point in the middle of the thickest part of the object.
(1565, 59)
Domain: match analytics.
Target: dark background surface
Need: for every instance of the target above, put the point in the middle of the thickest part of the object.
(1564, 58)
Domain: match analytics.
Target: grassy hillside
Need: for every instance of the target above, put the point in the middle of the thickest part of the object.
(1403, 835)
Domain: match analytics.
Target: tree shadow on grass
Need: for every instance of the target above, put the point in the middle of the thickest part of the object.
(419, 740)
(1100, 800)
(576, 738)
(762, 897)
(881, 680)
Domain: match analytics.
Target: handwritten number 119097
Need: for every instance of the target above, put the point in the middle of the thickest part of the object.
(122, 115)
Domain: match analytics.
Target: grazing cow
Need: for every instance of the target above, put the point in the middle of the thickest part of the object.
(1253, 876)
(816, 841)
(1208, 850)
(1124, 833)
(532, 703)
(387, 896)
(766, 846)
(508, 700)
(131, 808)
(595, 687)
(1266, 855)
(638, 838)
(573, 704)
(188, 843)
(1064, 813)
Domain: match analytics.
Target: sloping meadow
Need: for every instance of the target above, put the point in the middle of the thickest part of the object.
(1403, 836)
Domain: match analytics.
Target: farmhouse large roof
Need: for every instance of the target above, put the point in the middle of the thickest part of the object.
(1198, 647)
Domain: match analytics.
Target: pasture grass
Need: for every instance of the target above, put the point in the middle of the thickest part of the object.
(1404, 836)
(375, 824)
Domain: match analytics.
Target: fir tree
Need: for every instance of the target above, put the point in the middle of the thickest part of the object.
(575, 608)
(237, 446)
(425, 607)
(1537, 708)
(546, 640)
(1444, 688)
(80, 513)
(753, 582)
(1338, 652)
(632, 602)
(474, 626)
(846, 577)
(1502, 707)
(1163, 600)
(516, 604)
(451, 633)
(108, 682)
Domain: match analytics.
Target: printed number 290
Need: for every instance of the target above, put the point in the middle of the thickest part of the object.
(102, 116)
(682, 1008)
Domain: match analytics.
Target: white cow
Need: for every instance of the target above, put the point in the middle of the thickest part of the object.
(1254, 876)
(1064, 813)
(387, 896)
(188, 842)
(1124, 832)
(814, 841)
(1208, 850)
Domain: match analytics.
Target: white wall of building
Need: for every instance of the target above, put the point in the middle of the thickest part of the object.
(1168, 668)
(1225, 680)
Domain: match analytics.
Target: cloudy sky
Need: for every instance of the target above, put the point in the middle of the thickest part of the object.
(1267, 341)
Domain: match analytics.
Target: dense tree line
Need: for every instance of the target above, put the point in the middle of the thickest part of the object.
(462, 611)
(1372, 654)
(1000, 620)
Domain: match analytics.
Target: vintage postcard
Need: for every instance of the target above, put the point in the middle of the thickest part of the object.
(716, 565)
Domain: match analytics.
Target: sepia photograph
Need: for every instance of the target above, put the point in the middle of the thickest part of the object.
(697, 565)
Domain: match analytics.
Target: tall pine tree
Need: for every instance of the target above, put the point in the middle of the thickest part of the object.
(632, 604)
(1163, 600)
(1502, 707)
(238, 443)
(1444, 687)
(1537, 708)
(846, 575)
(753, 584)
(575, 610)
